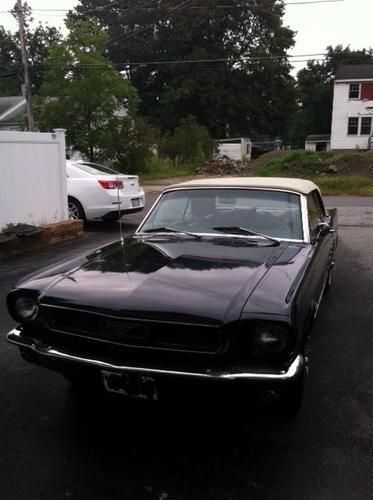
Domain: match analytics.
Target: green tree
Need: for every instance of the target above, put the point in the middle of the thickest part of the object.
(130, 144)
(83, 92)
(236, 93)
(10, 70)
(38, 42)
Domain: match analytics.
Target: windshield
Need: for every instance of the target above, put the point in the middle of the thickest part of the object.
(95, 168)
(273, 213)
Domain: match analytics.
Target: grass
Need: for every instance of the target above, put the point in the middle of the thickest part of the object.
(300, 162)
(354, 185)
(161, 169)
(313, 166)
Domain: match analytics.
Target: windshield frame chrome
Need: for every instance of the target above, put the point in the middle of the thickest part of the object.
(303, 207)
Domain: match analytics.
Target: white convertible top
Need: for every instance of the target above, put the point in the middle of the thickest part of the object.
(301, 186)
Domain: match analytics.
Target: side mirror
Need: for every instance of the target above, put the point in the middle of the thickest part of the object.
(323, 229)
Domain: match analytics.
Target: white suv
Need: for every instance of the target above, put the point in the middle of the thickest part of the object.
(98, 192)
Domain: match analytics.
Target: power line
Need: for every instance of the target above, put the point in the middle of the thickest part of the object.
(150, 25)
(208, 61)
(111, 4)
(304, 57)
(107, 66)
(192, 7)
(313, 2)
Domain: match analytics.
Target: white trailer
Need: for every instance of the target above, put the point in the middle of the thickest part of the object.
(234, 149)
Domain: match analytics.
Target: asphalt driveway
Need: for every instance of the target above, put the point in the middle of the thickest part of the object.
(54, 447)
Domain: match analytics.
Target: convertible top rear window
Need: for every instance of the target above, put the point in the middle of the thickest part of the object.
(274, 213)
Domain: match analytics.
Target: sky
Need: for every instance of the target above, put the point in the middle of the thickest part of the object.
(347, 22)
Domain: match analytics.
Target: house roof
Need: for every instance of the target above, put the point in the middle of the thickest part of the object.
(318, 138)
(281, 183)
(354, 72)
(10, 107)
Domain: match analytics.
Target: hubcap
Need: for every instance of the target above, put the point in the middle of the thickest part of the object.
(73, 211)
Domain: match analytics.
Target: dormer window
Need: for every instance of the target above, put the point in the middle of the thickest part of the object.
(354, 92)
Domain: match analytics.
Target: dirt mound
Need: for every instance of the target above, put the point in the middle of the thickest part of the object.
(225, 166)
(353, 163)
(294, 163)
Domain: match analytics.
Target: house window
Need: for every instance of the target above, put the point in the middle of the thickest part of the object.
(366, 125)
(354, 92)
(353, 125)
(367, 91)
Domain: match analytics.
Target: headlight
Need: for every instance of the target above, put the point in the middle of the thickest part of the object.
(25, 308)
(272, 338)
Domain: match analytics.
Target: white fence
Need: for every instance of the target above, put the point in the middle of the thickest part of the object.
(32, 178)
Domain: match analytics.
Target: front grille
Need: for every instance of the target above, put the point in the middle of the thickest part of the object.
(177, 337)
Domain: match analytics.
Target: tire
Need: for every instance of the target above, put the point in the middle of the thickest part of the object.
(76, 211)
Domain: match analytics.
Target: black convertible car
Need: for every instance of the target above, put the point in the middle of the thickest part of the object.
(217, 290)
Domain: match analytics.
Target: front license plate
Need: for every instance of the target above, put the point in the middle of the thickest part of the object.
(136, 202)
(132, 386)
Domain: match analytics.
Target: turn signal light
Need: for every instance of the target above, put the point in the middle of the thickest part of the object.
(111, 184)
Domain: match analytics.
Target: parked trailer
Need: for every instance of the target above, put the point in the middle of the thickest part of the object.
(234, 149)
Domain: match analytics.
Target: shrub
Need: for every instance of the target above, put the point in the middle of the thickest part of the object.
(161, 168)
(190, 143)
(131, 144)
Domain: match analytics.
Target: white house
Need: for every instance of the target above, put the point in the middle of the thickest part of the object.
(353, 107)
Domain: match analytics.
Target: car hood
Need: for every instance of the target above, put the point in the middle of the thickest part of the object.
(171, 278)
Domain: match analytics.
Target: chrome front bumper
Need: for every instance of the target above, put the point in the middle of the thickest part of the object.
(15, 336)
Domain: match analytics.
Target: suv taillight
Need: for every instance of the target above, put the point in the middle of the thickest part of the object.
(111, 184)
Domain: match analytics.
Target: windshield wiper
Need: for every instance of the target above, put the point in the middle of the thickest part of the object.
(239, 229)
(166, 229)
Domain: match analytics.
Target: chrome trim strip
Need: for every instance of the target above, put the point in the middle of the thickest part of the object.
(129, 318)
(163, 234)
(15, 337)
(149, 212)
(304, 210)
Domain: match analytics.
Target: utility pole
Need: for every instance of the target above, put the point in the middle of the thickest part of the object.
(22, 37)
